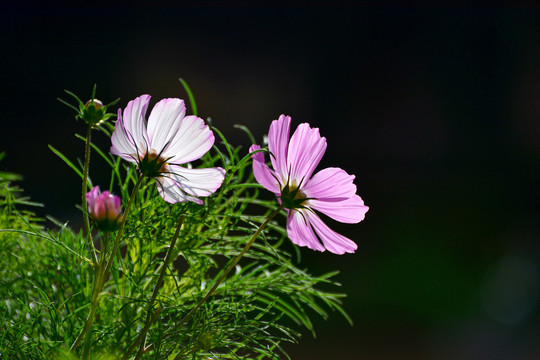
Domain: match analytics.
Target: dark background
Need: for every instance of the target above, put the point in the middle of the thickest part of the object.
(436, 111)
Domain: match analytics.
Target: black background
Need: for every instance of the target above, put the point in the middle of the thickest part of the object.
(435, 110)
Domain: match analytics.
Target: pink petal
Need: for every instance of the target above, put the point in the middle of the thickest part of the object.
(333, 242)
(197, 182)
(100, 207)
(300, 232)
(306, 149)
(170, 191)
(349, 211)
(192, 140)
(330, 184)
(116, 204)
(164, 122)
(263, 174)
(278, 141)
(92, 196)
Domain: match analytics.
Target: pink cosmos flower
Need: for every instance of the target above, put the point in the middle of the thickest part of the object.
(104, 209)
(330, 191)
(170, 139)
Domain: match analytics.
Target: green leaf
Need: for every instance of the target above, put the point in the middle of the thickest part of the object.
(67, 161)
(190, 95)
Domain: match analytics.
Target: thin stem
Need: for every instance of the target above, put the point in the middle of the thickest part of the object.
(143, 349)
(95, 292)
(230, 267)
(86, 221)
(100, 278)
(124, 221)
(150, 319)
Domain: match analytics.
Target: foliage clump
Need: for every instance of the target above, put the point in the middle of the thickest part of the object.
(48, 273)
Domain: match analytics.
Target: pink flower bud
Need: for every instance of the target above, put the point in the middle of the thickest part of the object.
(104, 209)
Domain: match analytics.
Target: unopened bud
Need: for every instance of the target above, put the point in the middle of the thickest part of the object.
(92, 112)
(95, 103)
(104, 209)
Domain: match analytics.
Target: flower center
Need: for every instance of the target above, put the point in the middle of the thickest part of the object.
(292, 197)
(151, 164)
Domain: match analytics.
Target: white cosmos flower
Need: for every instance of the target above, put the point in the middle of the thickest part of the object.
(170, 139)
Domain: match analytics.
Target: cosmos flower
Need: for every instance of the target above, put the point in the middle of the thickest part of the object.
(104, 209)
(158, 149)
(330, 191)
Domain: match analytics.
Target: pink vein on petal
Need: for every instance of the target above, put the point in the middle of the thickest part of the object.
(301, 232)
(334, 242)
(164, 122)
(306, 150)
(263, 174)
(278, 140)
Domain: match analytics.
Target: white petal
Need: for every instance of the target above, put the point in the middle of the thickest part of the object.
(192, 140)
(122, 142)
(170, 191)
(197, 182)
(164, 122)
(134, 122)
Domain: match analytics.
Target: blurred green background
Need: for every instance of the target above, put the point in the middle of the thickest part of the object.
(435, 110)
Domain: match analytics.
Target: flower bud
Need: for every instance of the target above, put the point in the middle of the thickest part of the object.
(104, 209)
(93, 112)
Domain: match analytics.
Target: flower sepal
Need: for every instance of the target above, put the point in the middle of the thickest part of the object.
(292, 198)
(152, 165)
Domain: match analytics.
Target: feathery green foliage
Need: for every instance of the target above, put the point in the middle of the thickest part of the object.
(47, 274)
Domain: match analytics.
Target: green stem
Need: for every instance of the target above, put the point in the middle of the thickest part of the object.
(230, 267)
(93, 303)
(100, 279)
(124, 221)
(86, 221)
(151, 318)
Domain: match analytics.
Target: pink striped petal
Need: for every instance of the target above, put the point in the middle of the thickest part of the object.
(333, 242)
(330, 184)
(263, 174)
(122, 142)
(192, 140)
(164, 122)
(278, 140)
(306, 149)
(170, 191)
(92, 196)
(134, 123)
(197, 182)
(300, 232)
(349, 211)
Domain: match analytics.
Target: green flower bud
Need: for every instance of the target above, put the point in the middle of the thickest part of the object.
(206, 339)
(93, 112)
